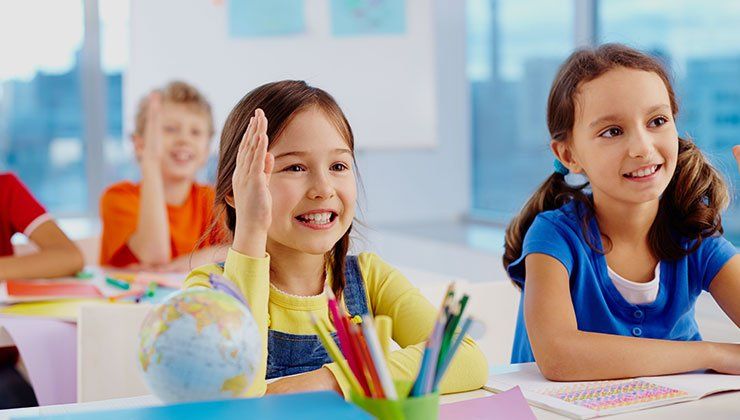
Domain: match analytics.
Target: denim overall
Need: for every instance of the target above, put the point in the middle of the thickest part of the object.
(290, 354)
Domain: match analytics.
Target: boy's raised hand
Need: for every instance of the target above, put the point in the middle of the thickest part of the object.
(736, 153)
(250, 183)
(152, 149)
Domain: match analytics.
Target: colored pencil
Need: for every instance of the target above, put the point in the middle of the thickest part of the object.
(376, 352)
(336, 355)
(367, 359)
(340, 325)
(451, 353)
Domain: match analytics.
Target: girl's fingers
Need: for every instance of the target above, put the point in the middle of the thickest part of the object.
(269, 165)
(246, 136)
(258, 159)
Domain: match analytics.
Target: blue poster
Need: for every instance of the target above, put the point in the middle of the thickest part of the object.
(368, 17)
(261, 18)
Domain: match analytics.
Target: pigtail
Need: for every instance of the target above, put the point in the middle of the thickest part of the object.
(336, 260)
(552, 194)
(691, 205)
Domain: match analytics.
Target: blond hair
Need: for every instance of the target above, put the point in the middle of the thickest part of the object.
(176, 92)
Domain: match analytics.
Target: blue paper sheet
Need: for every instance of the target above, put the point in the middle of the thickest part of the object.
(260, 18)
(313, 405)
(368, 17)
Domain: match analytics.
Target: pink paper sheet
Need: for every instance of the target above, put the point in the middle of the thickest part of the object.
(49, 351)
(506, 405)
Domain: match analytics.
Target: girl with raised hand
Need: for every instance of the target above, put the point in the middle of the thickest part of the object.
(288, 190)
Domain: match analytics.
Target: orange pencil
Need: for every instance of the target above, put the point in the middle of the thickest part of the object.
(367, 366)
(369, 360)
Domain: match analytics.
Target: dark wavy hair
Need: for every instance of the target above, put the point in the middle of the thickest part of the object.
(280, 101)
(690, 206)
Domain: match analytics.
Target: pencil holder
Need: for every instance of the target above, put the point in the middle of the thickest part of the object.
(412, 408)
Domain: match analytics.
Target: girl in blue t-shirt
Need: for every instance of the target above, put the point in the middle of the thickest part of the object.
(610, 277)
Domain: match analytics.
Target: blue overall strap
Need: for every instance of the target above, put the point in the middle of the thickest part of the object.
(354, 288)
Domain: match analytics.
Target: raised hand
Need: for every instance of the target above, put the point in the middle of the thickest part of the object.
(736, 153)
(153, 149)
(250, 182)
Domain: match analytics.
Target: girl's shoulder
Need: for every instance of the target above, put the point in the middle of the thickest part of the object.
(567, 220)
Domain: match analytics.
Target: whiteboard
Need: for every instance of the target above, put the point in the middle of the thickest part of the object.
(386, 85)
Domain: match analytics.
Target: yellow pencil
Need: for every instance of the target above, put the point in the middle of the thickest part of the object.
(336, 354)
(384, 325)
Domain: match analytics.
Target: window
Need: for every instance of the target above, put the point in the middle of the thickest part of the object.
(44, 116)
(41, 121)
(514, 50)
(700, 42)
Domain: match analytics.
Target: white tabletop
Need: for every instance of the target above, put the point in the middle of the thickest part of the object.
(714, 407)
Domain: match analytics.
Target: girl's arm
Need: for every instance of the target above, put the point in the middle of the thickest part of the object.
(57, 256)
(725, 288)
(564, 353)
(247, 264)
(150, 242)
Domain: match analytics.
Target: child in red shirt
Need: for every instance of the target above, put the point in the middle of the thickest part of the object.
(21, 213)
(57, 256)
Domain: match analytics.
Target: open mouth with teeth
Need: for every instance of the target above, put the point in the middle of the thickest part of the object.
(182, 156)
(643, 172)
(317, 220)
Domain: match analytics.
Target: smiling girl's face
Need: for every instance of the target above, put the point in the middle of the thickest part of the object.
(624, 137)
(312, 185)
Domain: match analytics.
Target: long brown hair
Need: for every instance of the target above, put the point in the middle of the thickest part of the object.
(690, 207)
(280, 101)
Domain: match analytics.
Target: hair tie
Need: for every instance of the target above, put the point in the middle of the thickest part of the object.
(560, 168)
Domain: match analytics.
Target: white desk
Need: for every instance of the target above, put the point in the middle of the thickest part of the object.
(713, 407)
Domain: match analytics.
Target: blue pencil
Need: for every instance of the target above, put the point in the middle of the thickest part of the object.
(429, 377)
(451, 353)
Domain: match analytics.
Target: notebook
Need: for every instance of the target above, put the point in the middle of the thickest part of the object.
(312, 405)
(583, 400)
(13, 291)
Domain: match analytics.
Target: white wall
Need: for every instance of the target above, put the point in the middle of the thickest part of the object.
(428, 185)
(411, 184)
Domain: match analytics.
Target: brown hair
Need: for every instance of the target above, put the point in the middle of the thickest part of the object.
(691, 204)
(176, 92)
(280, 101)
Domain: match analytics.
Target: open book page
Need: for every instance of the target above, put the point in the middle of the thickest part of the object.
(598, 398)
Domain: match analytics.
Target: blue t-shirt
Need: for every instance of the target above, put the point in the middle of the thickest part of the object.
(598, 305)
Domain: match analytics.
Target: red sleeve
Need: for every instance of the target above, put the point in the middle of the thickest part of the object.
(23, 208)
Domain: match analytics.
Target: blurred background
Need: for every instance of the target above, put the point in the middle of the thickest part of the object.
(71, 70)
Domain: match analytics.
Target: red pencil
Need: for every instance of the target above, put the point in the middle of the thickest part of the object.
(365, 368)
(377, 385)
(345, 341)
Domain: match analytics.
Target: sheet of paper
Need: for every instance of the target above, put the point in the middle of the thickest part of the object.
(506, 405)
(368, 17)
(49, 351)
(259, 18)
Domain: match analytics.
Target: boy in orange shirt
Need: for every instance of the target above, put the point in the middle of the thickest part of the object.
(160, 222)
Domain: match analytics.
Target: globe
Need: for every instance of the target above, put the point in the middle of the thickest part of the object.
(199, 344)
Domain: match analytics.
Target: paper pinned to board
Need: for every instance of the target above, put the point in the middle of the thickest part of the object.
(48, 348)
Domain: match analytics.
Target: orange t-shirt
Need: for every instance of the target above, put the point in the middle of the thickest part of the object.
(119, 210)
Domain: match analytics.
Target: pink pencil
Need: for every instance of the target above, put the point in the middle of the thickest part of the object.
(344, 341)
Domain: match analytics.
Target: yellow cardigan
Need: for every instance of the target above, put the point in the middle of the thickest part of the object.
(388, 292)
